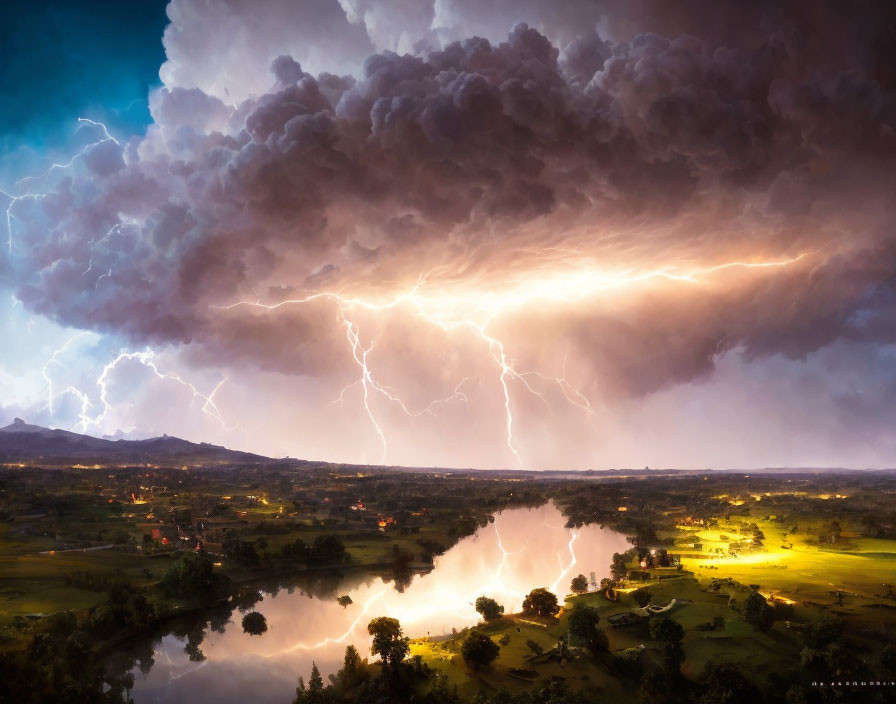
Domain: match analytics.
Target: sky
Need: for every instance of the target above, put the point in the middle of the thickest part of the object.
(567, 235)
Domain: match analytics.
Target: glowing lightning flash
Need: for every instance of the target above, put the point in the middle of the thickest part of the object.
(368, 384)
(147, 359)
(42, 178)
(571, 564)
(449, 600)
(461, 308)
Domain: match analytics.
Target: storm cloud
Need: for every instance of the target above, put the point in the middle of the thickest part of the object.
(362, 147)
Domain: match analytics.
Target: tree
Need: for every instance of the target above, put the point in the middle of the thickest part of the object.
(193, 576)
(145, 613)
(608, 588)
(579, 584)
(389, 642)
(541, 602)
(824, 632)
(326, 549)
(479, 650)
(665, 630)
(246, 598)
(655, 688)
(830, 533)
(724, 683)
(583, 622)
(757, 612)
(619, 568)
(489, 608)
(77, 648)
(344, 600)
(670, 634)
(353, 672)
(254, 623)
(314, 693)
(240, 551)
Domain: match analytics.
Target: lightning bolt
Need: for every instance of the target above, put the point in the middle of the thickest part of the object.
(147, 359)
(453, 308)
(54, 360)
(572, 562)
(335, 639)
(171, 665)
(44, 177)
(369, 384)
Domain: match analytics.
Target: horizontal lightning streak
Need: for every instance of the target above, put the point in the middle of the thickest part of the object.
(458, 307)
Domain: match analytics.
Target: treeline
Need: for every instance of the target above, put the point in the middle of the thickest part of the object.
(324, 549)
(59, 663)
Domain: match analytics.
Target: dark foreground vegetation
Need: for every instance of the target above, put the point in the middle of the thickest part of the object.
(765, 588)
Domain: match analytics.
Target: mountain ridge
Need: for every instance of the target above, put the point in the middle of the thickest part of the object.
(24, 442)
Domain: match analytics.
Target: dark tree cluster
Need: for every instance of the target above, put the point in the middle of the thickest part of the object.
(541, 602)
(488, 608)
(325, 549)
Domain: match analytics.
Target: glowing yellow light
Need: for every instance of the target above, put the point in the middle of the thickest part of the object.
(778, 597)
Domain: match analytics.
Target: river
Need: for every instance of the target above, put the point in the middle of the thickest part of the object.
(218, 662)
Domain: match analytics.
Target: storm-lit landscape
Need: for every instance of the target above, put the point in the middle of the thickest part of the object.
(448, 352)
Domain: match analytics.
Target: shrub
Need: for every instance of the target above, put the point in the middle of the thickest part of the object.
(579, 584)
(478, 650)
(254, 623)
(534, 647)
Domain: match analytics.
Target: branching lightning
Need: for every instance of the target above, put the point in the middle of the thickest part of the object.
(92, 414)
(42, 178)
(441, 298)
(454, 307)
(147, 358)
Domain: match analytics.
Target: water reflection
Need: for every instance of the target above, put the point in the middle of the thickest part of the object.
(212, 659)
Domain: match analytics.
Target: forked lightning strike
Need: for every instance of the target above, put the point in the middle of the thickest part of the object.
(455, 307)
(42, 178)
(147, 359)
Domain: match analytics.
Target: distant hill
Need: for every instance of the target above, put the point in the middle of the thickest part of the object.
(22, 442)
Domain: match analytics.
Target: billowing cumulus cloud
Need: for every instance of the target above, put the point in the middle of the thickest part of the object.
(600, 200)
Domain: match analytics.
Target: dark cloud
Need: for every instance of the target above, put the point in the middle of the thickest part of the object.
(634, 136)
